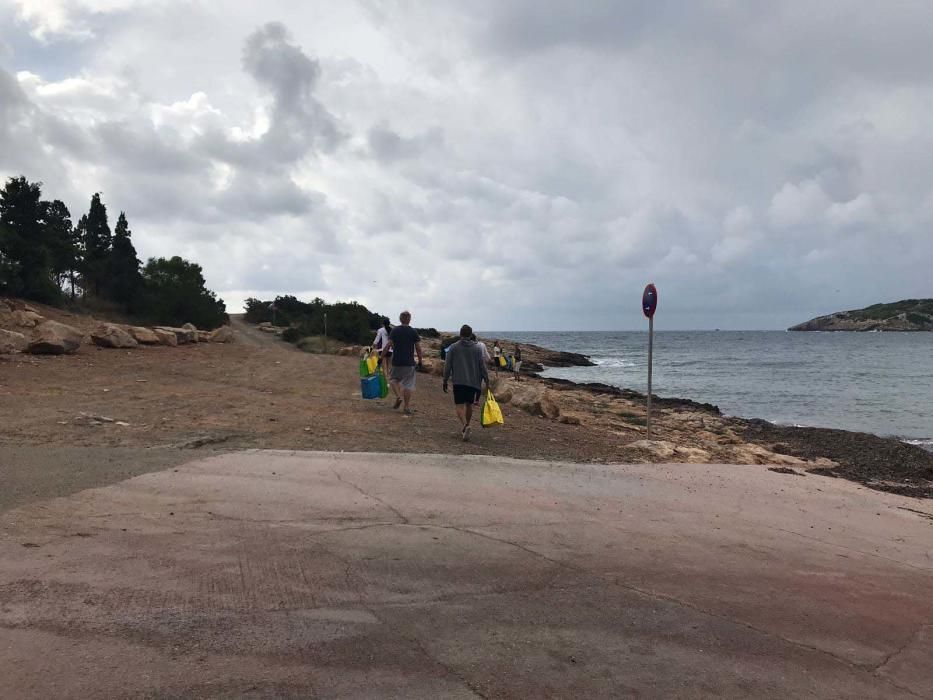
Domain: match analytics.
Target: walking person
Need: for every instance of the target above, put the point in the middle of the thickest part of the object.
(496, 354)
(482, 346)
(466, 366)
(404, 343)
(517, 361)
(381, 344)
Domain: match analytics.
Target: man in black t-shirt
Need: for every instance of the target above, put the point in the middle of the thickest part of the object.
(404, 343)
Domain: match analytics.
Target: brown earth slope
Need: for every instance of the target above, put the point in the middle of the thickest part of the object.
(260, 392)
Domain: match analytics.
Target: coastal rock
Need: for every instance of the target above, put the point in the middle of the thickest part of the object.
(432, 366)
(109, 335)
(659, 448)
(671, 452)
(11, 341)
(569, 419)
(54, 338)
(224, 334)
(534, 399)
(503, 393)
(204, 336)
(189, 327)
(756, 454)
(143, 336)
(350, 351)
(165, 336)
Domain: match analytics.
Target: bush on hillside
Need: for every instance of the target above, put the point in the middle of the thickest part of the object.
(348, 322)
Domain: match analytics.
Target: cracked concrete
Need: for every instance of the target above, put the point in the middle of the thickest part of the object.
(291, 574)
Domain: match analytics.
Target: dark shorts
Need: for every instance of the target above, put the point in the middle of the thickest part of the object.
(465, 394)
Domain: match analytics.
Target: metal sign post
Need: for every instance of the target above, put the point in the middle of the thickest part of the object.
(649, 304)
(325, 331)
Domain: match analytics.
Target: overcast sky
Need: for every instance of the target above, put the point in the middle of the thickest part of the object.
(518, 165)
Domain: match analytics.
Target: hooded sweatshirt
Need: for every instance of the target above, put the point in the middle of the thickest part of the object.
(465, 364)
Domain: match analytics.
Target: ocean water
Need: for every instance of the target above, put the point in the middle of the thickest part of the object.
(879, 383)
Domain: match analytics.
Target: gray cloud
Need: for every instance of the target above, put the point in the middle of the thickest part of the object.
(388, 145)
(299, 122)
(761, 163)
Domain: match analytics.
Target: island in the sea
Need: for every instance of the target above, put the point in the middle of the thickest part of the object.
(906, 315)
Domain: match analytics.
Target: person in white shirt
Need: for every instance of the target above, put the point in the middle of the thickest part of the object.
(380, 343)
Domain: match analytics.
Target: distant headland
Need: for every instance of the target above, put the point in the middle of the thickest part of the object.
(906, 315)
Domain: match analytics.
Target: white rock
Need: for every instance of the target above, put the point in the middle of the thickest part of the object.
(110, 335)
(11, 341)
(54, 338)
(143, 336)
(224, 334)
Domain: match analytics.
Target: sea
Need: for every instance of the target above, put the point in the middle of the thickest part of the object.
(878, 383)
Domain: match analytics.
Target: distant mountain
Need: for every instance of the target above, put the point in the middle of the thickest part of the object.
(907, 315)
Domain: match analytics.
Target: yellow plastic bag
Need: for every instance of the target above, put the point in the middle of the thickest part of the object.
(501, 361)
(372, 362)
(492, 414)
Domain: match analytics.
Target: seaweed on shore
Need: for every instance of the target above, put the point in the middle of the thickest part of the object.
(884, 464)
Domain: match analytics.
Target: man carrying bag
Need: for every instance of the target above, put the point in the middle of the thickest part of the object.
(465, 365)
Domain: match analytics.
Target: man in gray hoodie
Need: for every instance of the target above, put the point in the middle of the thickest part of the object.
(464, 362)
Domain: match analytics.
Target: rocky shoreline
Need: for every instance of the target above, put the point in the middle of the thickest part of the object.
(693, 431)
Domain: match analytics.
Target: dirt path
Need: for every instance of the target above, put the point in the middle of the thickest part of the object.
(251, 336)
(257, 392)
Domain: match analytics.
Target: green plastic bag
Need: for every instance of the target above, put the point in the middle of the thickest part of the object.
(383, 384)
(364, 368)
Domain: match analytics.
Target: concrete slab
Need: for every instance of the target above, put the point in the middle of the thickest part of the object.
(280, 574)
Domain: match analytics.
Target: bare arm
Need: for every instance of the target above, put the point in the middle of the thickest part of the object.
(418, 350)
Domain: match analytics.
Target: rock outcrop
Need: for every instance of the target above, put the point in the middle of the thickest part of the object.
(528, 396)
(110, 335)
(907, 315)
(54, 338)
(11, 341)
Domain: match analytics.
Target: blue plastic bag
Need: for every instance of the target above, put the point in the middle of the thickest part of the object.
(369, 387)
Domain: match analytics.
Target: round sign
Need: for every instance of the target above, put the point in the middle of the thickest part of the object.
(649, 300)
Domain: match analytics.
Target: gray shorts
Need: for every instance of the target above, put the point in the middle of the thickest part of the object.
(404, 376)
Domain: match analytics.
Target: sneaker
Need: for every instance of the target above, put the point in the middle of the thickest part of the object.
(466, 434)
(408, 412)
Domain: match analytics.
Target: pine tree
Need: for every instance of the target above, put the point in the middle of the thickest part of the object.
(62, 243)
(124, 279)
(97, 242)
(25, 260)
(80, 234)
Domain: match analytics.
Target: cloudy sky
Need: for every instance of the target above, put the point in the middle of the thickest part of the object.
(515, 164)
